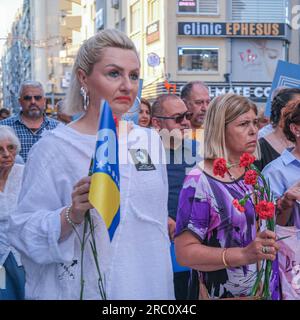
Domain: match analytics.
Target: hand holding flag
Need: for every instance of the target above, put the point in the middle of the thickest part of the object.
(105, 184)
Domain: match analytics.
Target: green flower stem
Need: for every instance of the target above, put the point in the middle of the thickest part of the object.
(257, 282)
(266, 287)
(282, 238)
(82, 245)
(264, 193)
(95, 255)
(88, 222)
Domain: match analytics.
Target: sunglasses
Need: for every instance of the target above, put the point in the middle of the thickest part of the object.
(178, 119)
(29, 98)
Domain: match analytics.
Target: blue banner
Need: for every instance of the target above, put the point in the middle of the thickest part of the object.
(286, 75)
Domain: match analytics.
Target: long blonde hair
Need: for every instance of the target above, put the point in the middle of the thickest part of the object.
(88, 55)
(221, 111)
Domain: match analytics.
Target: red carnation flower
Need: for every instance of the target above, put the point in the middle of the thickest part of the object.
(220, 167)
(251, 177)
(237, 205)
(265, 209)
(246, 160)
(116, 120)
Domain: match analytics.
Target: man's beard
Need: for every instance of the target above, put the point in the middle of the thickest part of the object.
(198, 121)
(34, 114)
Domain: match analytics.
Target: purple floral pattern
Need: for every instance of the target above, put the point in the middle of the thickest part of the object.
(205, 209)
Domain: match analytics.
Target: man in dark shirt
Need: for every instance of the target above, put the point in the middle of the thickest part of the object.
(171, 117)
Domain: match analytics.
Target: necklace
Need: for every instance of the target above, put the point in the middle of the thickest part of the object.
(282, 140)
(285, 143)
(231, 176)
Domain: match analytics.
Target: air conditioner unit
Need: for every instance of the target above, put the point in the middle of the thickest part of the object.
(115, 4)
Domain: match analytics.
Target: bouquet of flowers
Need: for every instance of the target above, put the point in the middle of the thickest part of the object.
(264, 208)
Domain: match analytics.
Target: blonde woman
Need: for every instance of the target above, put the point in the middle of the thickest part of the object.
(137, 263)
(212, 236)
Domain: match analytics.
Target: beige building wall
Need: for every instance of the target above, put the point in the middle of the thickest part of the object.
(58, 29)
(159, 47)
(143, 42)
(111, 17)
(88, 12)
(40, 49)
(173, 42)
(137, 34)
(114, 15)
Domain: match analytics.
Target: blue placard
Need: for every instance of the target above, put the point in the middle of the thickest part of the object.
(176, 266)
(286, 75)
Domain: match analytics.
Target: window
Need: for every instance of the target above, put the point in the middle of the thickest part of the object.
(153, 10)
(198, 59)
(135, 17)
(260, 10)
(201, 7)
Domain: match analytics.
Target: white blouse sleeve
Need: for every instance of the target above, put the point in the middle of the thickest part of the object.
(35, 226)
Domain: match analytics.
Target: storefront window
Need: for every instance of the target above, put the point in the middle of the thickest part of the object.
(198, 59)
(205, 7)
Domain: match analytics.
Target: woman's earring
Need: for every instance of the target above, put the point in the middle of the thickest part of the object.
(86, 98)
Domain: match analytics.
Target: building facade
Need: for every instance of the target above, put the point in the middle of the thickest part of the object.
(56, 31)
(111, 14)
(231, 45)
(53, 31)
(17, 52)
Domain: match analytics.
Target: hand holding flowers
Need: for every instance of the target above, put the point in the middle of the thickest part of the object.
(264, 246)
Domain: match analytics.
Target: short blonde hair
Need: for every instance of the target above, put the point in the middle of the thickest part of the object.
(8, 133)
(221, 111)
(88, 55)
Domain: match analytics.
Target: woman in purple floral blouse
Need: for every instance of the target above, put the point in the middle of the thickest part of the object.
(212, 236)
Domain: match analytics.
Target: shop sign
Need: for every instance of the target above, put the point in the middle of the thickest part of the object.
(257, 93)
(232, 29)
(152, 32)
(187, 6)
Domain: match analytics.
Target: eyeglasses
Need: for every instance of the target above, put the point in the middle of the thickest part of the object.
(10, 148)
(178, 119)
(29, 98)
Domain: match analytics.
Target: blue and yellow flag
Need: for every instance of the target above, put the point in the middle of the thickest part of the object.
(105, 184)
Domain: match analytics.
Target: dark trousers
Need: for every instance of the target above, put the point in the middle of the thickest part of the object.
(15, 280)
(181, 281)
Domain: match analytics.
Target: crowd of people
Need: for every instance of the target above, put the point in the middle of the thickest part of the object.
(179, 236)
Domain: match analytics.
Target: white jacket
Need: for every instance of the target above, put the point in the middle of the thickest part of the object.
(136, 264)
